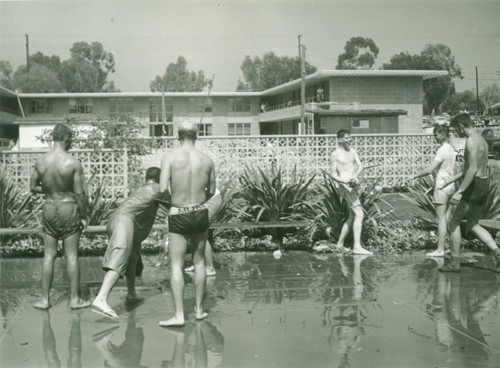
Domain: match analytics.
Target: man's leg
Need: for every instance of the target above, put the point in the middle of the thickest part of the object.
(455, 237)
(198, 242)
(442, 231)
(132, 273)
(101, 300)
(49, 256)
(178, 245)
(75, 341)
(71, 251)
(346, 228)
(357, 226)
(483, 234)
(209, 259)
(49, 341)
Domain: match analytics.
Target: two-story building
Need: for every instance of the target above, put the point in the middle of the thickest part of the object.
(364, 101)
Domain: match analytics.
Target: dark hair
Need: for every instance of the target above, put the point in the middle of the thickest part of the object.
(190, 134)
(463, 119)
(342, 133)
(61, 132)
(443, 129)
(153, 173)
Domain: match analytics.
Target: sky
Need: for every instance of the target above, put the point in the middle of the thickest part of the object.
(215, 36)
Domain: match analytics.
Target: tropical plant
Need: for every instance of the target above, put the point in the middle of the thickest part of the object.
(18, 207)
(329, 211)
(268, 197)
(101, 204)
(421, 195)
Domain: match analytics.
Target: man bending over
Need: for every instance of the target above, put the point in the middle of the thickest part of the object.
(127, 228)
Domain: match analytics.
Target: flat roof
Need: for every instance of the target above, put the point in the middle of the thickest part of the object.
(7, 92)
(324, 74)
(139, 94)
(360, 112)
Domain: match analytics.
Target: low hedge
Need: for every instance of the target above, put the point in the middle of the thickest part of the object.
(398, 236)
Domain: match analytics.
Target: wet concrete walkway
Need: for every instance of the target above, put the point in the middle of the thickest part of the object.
(303, 310)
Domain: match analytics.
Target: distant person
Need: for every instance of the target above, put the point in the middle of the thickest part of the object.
(472, 192)
(129, 225)
(59, 176)
(189, 175)
(345, 166)
(443, 165)
(13, 144)
(320, 94)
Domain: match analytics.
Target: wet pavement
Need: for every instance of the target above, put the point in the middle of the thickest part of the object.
(303, 310)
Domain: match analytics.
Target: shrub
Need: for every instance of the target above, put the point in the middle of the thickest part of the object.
(101, 204)
(329, 211)
(268, 197)
(18, 207)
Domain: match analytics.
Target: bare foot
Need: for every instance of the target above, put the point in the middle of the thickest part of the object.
(79, 303)
(102, 308)
(199, 314)
(173, 322)
(361, 250)
(436, 253)
(42, 304)
(189, 269)
(210, 271)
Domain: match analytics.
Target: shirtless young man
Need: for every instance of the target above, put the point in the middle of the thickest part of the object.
(129, 225)
(59, 176)
(471, 194)
(189, 175)
(345, 166)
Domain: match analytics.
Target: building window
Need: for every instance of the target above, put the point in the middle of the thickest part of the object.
(360, 124)
(239, 104)
(155, 111)
(161, 130)
(40, 106)
(200, 105)
(81, 106)
(238, 129)
(120, 107)
(204, 130)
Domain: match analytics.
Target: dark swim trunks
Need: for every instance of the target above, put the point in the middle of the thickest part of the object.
(188, 220)
(477, 192)
(61, 219)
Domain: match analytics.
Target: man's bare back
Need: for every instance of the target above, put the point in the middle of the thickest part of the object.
(477, 143)
(56, 173)
(191, 176)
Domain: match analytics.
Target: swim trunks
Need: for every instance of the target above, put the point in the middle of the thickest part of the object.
(349, 195)
(61, 219)
(477, 192)
(188, 220)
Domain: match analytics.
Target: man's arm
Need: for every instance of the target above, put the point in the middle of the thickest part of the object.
(429, 170)
(35, 182)
(358, 163)
(79, 191)
(165, 175)
(333, 169)
(211, 188)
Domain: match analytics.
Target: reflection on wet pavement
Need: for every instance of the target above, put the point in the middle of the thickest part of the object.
(302, 310)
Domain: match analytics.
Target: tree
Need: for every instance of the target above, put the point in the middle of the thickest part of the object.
(79, 75)
(5, 74)
(360, 53)
(432, 57)
(40, 79)
(52, 62)
(101, 60)
(463, 101)
(178, 78)
(270, 71)
(490, 95)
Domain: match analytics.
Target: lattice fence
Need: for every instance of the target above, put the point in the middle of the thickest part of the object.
(107, 165)
(396, 158)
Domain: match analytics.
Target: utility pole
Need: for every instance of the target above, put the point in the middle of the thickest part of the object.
(477, 94)
(27, 53)
(303, 86)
